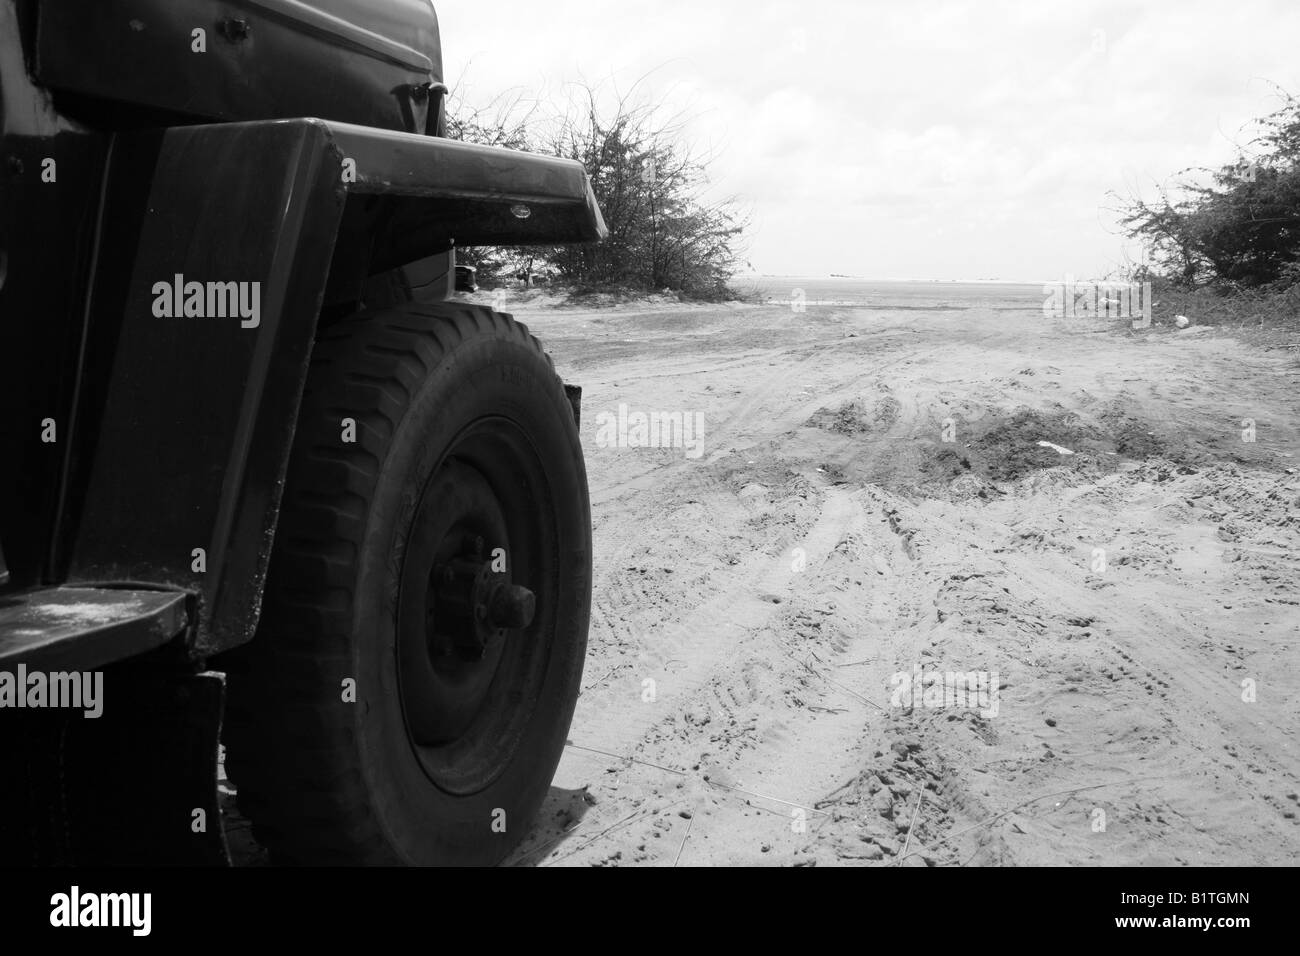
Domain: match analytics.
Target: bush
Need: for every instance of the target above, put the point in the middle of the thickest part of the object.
(650, 184)
(1241, 232)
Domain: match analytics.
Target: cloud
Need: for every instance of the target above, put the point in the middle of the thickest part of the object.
(939, 139)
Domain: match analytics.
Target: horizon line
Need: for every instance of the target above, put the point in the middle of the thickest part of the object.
(1059, 280)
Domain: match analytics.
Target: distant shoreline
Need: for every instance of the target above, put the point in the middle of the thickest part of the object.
(841, 278)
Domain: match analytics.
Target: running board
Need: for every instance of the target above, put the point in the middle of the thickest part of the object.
(83, 628)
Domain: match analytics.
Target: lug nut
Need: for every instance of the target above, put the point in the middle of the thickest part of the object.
(512, 606)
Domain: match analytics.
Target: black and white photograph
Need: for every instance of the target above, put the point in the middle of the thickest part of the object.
(682, 435)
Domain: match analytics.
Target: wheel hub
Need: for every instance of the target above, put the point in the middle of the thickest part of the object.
(476, 603)
(472, 604)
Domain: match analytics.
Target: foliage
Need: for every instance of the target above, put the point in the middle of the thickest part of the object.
(651, 185)
(1242, 229)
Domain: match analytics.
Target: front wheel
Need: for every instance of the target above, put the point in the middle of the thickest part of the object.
(410, 688)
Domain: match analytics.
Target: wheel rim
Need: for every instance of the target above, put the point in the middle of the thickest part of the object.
(477, 604)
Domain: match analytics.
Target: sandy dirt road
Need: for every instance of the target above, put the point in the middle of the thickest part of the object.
(870, 510)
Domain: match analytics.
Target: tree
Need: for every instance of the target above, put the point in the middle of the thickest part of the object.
(1243, 229)
(649, 182)
(651, 188)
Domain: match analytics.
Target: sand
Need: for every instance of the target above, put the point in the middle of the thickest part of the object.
(880, 495)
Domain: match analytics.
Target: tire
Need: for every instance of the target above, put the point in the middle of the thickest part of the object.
(399, 704)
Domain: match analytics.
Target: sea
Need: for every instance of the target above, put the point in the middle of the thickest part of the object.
(896, 294)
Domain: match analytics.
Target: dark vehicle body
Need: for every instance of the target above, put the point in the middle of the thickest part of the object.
(162, 154)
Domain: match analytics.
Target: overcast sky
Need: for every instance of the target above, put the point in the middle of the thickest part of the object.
(937, 139)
